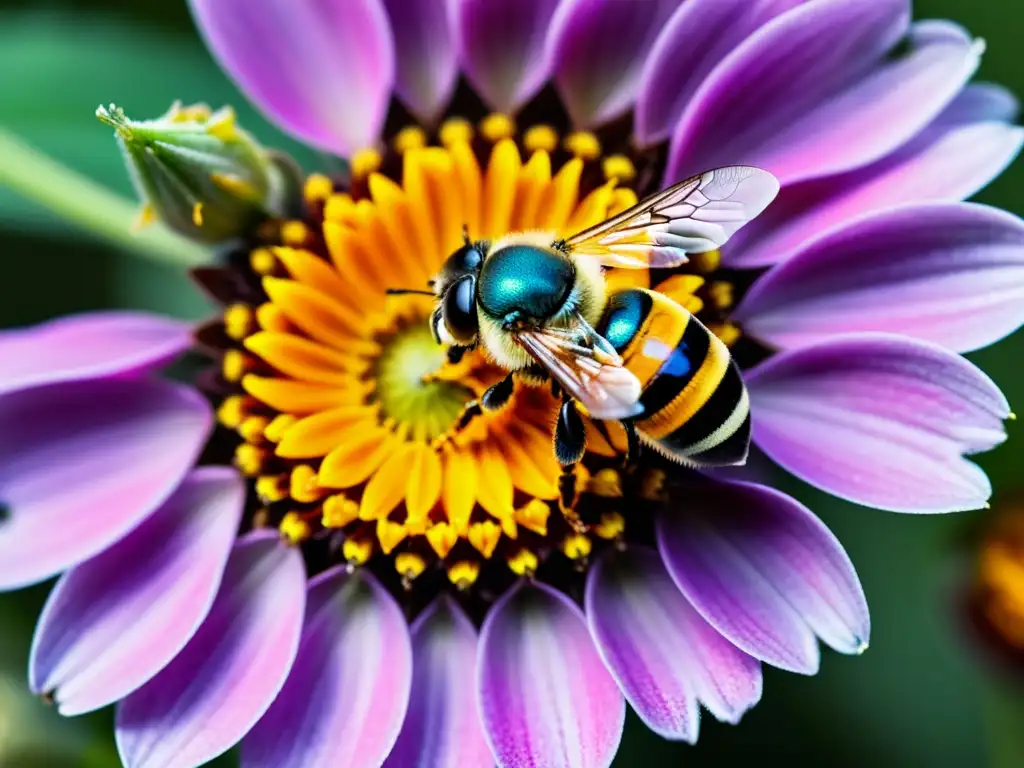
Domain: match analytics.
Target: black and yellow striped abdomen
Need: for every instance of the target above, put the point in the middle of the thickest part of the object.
(696, 408)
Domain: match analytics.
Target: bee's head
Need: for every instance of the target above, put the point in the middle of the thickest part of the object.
(454, 320)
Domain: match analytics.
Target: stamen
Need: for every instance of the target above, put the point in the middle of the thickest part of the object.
(442, 537)
(409, 565)
(235, 365)
(262, 261)
(497, 126)
(339, 511)
(252, 428)
(357, 551)
(304, 487)
(295, 528)
(583, 144)
(541, 138)
(238, 321)
(523, 563)
(618, 167)
(269, 317)
(606, 483)
(365, 162)
(232, 411)
(276, 429)
(576, 546)
(611, 526)
(721, 294)
(464, 574)
(294, 233)
(409, 138)
(485, 537)
(455, 130)
(317, 188)
(534, 516)
(272, 488)
(197, 214)
(249, 459)
(390, 534)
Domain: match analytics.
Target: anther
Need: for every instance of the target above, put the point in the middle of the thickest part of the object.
(727, 332)
(317, 188)
(197, 214)
(294, 233)
(303, 485)
(274, 431)
(576, 546)
(339, 207)
(234, 365)
(233, 411)
(523, 563)
(607, 483)
(272, 488)
(463, 574)
(611, 526)
(339, 511)
(618, 167)
(534, 516)
(269, 317)
(583, 144)
(262, 261)
(721, 294)
(409, 565)
(294, 528)
(390, 534)
(249, 459)
(541, 138)
(365, 162)
(442, 537)
(409, 138)
(485, 537)
(357, 551)
(706, 262)
(497, 126)
(252, 428)
(455, 130)
(238, 321)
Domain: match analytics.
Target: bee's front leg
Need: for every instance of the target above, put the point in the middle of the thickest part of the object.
(456, 353)
(494, 398)
(570, 444)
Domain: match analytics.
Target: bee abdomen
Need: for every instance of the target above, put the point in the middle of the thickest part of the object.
(696, 408)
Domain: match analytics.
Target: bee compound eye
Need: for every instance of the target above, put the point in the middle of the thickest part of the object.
(460, 310)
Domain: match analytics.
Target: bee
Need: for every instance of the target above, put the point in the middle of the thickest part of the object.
(537, 304)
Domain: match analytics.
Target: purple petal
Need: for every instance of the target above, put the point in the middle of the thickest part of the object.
(966, 147)
(213, 692)
(544, 694)
(346, 697)
(698, 36)
(502, 47)
(82, 463)
(426, 58)
(817, 91)
(662, 653)
(113, 622)
(320, 69)
(442, 728)
(880, 420)
(958, 280)
(597, 50)
(765, 572)
(89, 346)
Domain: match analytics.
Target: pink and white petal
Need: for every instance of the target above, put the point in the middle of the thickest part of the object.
(817, 92)
(880, 420)
(320, 69)
(83, 463)
(426, 58)
(223, 681)
(502, 48)
(663, 655)
(347, 694)
(958, 280)
(442, 728)
(89, 346)
(545, 696)
(116, 620)
(695, 40)
(597, 50)
(744, 539)
(966, 147)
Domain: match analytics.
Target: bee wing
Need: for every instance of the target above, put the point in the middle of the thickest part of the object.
(693, 216)
(589, 369)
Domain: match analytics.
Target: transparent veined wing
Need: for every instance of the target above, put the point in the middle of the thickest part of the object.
(586, 367)
(693, 216)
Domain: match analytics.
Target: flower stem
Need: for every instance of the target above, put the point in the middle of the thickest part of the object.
(90, 206)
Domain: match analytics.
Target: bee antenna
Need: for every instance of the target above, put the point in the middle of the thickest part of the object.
(406, 291)
(465, 234)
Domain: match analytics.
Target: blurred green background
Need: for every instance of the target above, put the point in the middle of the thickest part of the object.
(921, 696)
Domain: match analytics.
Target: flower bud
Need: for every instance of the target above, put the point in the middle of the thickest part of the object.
(198, 172)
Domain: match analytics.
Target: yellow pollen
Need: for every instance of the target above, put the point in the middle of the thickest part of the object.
(612, 526)
(356, 551)
(707, 262)
(364, 162)
(252, 428)
(294, 528)
(583, 144)
(232, 411)
(272, 488)
(390, 534)
(222, 123)
(147, 215)
(485, 537)
(238, 321)
(317, 188)
(249, 459)
(234, 365)
(497, 126)
(727, 332)
(410, 137)
(339, 511)
(455, 130)
(280, 424)
(721, 294)
(576, 546)
(541, 137)
(197, 214)
(294, 233)
(618, 167)
(606, 483)
(410, 565)
(523, 563)
(464, 573)
(262, 261)
(269, 317)
(534, 516)
(442, 537)
(303, 486)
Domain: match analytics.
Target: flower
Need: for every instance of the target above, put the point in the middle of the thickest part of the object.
(346, 421)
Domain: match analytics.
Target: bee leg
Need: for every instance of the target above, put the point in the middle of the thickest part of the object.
(632, 441)
(499, 394)
(570, 435)
(469, 412)
(455, 354)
